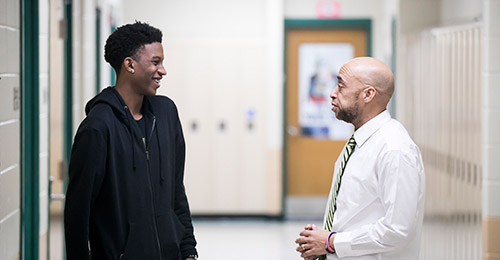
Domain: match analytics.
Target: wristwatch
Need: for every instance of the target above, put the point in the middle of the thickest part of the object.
(192, 256)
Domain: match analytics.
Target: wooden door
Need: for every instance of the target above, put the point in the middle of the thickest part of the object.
(310, 160)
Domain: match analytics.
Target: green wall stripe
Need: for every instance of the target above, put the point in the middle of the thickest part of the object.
(29, 131)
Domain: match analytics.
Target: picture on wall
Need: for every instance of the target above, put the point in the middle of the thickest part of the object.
(319, 64)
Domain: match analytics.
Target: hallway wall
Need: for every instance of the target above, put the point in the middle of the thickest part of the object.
(439, 88)
(44, 127)
(381, 12)
(490, 126)
(10, 188)
(224, 62)
(446, 89)
(224, 71)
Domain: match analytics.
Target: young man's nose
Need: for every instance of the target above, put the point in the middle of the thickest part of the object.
(162, 70)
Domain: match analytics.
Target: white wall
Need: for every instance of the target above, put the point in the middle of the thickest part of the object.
(84, 51)
(456, 12)
(224, 59)
(454, 15)
(87, 52)
(83, 58)
(426, 14)
(56, 79)
(490, 110)
(418, 15)
(44, 124)
(10, 212)
(439, 97)
(350, 9)
(111, 15)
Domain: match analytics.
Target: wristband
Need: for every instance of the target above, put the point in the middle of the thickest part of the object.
(328, 248)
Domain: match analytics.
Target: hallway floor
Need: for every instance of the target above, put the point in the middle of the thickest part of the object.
(228, 239)
(247, 239)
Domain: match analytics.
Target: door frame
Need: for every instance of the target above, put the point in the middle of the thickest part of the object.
(67, 100)
(30, 131)
(98, 14)
(311, 24)
(68, 85)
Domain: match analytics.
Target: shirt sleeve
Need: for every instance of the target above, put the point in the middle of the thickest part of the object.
(400, 190)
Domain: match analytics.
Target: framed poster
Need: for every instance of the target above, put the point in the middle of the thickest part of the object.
(319, 64)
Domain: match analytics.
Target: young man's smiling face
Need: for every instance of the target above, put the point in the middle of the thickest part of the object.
(148, 69)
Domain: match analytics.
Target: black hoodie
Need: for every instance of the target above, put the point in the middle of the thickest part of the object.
(126, 197)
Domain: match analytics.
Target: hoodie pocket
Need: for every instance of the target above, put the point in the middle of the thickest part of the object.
(179, 228)
(171, 232)
(138, 245)
(128, 243)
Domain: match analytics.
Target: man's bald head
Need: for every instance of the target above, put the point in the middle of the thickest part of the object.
(365, 86)
(372, 72)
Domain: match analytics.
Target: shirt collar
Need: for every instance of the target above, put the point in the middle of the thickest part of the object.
(370, 127)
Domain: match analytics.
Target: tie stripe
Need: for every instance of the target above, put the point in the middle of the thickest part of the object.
(351, 144)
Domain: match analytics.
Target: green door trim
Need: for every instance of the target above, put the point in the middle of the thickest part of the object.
(111, 70)
(30, 130)
(347, 24)
(68, 84)
(68, 97)
(97, 50)
(310, 24)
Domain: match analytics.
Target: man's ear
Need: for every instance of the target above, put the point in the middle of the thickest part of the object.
(369, 94)
(128, 64)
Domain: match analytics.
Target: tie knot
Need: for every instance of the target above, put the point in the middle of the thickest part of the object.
(351, 141)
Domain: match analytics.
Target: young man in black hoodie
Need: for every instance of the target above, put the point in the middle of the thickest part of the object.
(126, 197)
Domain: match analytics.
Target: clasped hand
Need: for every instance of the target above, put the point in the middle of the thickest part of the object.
(311, 243)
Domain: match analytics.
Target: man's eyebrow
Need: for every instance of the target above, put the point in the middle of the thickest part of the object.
(339, 78)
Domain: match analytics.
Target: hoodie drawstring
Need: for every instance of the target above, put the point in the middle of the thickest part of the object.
(162, 177)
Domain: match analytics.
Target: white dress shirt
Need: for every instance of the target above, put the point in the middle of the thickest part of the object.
(380, 203)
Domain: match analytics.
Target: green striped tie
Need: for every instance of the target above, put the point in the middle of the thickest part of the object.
(333, 203)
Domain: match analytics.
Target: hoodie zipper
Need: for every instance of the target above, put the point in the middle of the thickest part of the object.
(146, 147)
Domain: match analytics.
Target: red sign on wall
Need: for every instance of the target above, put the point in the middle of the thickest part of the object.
(328, 9)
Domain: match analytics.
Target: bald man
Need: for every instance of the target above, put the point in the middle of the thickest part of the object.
(376, 202)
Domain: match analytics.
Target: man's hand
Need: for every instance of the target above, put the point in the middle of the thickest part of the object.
(312, 242)
(309, 227)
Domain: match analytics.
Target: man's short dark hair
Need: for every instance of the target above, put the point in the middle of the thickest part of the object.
(127, 40)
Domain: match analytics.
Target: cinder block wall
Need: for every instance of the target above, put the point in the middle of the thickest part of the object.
(10, 212)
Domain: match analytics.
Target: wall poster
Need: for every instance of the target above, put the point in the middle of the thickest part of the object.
(319, 64)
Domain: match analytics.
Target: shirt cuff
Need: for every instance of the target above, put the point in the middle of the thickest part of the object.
(342, 243)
